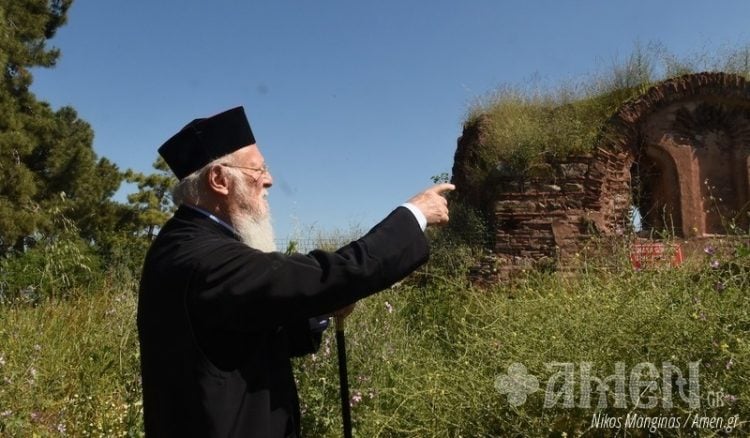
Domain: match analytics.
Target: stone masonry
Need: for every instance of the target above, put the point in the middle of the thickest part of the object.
(684, 146)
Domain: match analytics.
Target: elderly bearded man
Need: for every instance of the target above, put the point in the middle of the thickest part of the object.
(220, 313)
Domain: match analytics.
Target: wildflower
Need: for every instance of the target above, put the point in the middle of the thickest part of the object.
(33, 372)
(729, 398)
(6, 413)
(61, 428)
(715, 264)
(710, 250)
(729, 364)
(35, 416)
(37, 347)
(719, 286)
(389, 307)
(356, 398)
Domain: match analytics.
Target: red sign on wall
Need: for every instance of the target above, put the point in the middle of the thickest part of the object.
(655, 254)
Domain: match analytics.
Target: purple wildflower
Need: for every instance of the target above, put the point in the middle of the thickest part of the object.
(710, 250)
(729, 398)
(715, 264)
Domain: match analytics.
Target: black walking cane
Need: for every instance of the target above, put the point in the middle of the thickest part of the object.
(346, 411)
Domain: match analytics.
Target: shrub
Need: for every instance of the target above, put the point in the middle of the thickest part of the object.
(54, 268)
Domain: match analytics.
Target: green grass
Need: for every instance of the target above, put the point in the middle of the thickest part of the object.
(70, 366)
(423, 357)
(429, 367)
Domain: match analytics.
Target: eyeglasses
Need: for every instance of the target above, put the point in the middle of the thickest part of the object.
(263, 169)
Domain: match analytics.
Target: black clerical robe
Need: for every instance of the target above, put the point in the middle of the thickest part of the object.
(218, 321)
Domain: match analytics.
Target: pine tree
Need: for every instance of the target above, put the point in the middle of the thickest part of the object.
(152, 204)
(47, 163)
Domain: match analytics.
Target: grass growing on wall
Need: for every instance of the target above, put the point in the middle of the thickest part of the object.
(523, 127)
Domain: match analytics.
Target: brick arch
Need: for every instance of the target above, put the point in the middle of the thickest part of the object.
(718, 102)
(621, 132)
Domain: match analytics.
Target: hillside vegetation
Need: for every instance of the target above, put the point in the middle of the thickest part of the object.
(427, 357)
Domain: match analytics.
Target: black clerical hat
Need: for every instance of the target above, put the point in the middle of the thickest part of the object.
(204, 140)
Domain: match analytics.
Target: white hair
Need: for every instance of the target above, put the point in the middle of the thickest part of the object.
(193, 188)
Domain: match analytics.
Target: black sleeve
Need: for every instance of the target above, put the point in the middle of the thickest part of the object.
(238, 288)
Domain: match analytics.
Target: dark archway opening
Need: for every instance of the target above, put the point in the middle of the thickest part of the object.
(655, 194)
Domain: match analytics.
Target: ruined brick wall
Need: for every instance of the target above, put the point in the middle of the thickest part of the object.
(549, 217)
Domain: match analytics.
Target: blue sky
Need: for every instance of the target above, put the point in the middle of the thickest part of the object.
(355, 105)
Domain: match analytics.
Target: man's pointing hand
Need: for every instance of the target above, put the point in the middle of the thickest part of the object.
(432, 204)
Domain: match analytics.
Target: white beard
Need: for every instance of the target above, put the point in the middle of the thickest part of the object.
(252, 219)
(256, 233)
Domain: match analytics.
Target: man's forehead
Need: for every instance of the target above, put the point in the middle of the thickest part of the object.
(250, 153)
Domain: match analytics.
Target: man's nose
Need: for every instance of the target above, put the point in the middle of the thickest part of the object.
(267, 179)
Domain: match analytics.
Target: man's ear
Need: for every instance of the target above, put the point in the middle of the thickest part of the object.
(218, 181)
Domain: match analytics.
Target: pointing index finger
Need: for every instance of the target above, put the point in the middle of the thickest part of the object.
(444, 187)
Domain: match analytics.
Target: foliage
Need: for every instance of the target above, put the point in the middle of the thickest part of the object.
(47, 162)
(424, 360)
(151, 205)
(57, 266)
(58, 221)
(424, 356)
(71, 367)
(26, 27)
